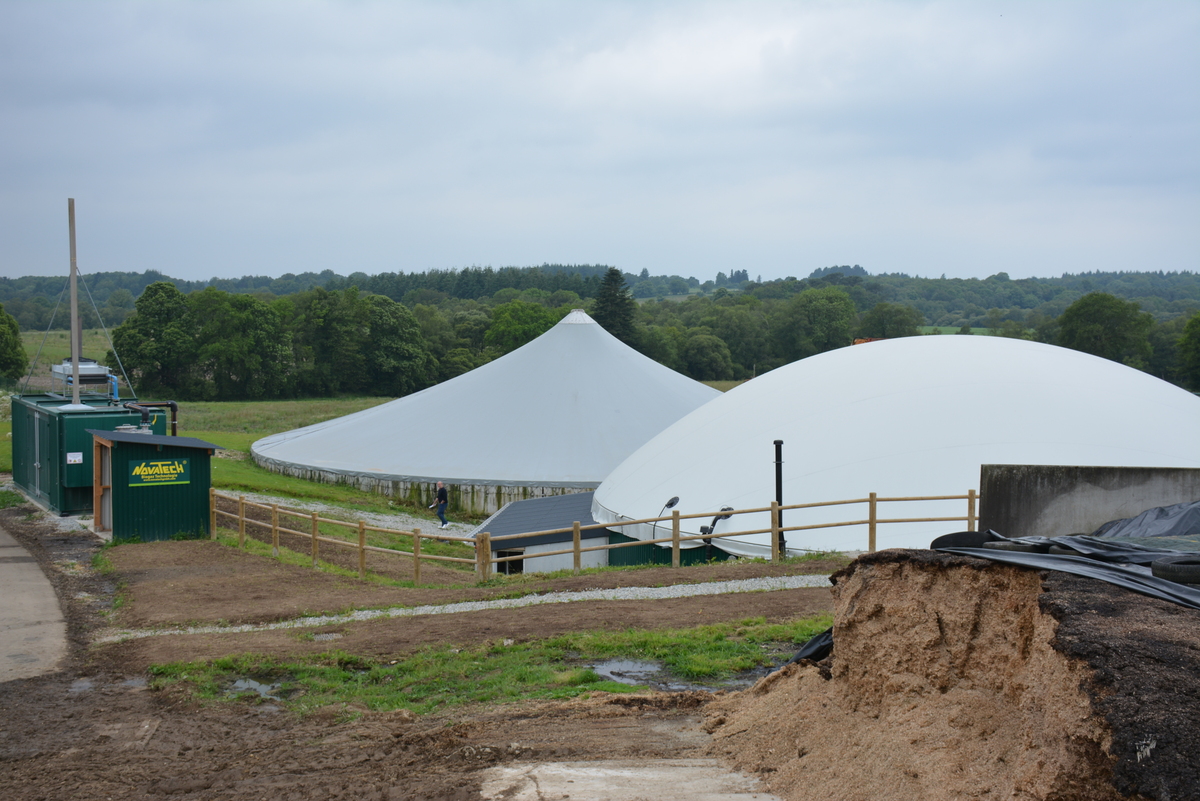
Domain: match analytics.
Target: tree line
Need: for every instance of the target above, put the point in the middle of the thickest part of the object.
(339, 338)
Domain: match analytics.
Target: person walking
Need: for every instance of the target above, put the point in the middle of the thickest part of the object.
(440, 503)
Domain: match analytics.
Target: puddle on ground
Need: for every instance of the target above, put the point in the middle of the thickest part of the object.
(247, 685)
(323, 637)
(655, 676)
(80, 686)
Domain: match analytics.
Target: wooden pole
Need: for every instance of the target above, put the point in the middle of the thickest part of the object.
(970, 510)
(416, 556)
(576, 542)
(76, 331)
(274, 529)
(362, 549)
(316, 532)
(871, 526)
(241, 521)
(212, 513)
(674, 538)
(483, 555)
(775, 533)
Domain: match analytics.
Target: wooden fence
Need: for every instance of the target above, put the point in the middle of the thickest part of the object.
(484, 542)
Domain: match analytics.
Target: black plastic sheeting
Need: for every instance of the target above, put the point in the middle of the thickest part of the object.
(815, 649)
(1180, 520)
(1120, 563)
(1108, 558)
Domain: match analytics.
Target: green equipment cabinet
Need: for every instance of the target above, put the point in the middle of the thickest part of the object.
(149, 487)
(52, 448)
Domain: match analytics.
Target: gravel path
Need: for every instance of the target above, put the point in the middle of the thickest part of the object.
(397, 521)
(616, 594)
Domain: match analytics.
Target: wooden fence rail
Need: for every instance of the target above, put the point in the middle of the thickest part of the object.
(483, 543)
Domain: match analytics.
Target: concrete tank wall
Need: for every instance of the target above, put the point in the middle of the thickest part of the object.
(469, 498)
(1055, 501)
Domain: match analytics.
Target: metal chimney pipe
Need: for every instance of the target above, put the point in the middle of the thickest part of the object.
(779, 493)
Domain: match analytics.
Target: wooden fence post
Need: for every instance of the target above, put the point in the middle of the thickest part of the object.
(274, 529)
(970, 510)
(483, 556)
(575, 544)
(775, 531)
(316, 531)
(674, 538)
(241, 521)
(871, 526)
(362, 549)
(212, 513)
(416, 556)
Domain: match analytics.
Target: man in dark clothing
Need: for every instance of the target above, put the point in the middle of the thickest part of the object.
(441, 502)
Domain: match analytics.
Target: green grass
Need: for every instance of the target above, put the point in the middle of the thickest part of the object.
(444, 677)
(429, 547)
(261, 418)
(56, 346)
(5, 444)
(949, 329)
(9, 499)
(723, 386)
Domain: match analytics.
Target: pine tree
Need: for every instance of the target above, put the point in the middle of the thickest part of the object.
(614, 306)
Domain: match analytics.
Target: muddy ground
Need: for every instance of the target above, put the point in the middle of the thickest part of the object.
(973, 680)
(95, 730)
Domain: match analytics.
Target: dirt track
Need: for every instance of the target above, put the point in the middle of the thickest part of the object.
(95, 731)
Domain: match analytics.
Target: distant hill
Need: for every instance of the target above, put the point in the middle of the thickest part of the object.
(942, 301)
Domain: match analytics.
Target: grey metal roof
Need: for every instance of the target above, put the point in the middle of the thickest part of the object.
(539, 514)
(153, 439)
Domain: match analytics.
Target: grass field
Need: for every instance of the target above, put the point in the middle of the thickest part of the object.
(949, 329)
(56, 346)
(444, 676)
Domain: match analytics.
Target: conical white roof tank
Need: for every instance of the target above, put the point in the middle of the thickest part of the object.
(902, 418)
(557, 414)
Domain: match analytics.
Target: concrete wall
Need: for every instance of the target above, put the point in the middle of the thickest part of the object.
(480, 499)
(1056, 501)
(563, 561)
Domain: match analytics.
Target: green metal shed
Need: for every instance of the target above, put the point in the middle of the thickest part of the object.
(150, 487)
(52, 447)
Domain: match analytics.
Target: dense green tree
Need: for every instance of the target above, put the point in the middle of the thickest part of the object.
(614, 307)
(328, 331)
(397, 362)
(156, 345)
(707, 358)
(1189, 354)
(1106, 326)
(242, 351)
(516, 323)
(890, 320)
(13, 359)
(814, 321)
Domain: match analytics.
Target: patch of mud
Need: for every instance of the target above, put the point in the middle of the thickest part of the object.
(954, 678)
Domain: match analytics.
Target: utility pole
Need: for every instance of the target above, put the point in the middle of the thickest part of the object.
(76, 334)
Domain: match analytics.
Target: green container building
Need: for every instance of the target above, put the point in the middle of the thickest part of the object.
(150, 487)
(52, 449)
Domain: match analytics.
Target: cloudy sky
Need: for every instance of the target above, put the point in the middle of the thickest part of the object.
(210, 139)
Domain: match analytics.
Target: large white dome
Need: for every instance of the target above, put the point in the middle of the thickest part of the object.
(554, 415)
(902, 418)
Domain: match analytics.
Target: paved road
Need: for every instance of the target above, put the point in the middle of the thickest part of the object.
(33, 631)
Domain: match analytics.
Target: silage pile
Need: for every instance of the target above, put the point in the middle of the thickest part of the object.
(944, 684)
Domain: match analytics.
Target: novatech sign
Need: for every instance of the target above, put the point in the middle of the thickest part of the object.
(152, 472)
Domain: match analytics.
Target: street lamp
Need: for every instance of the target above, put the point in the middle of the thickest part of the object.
(668, 505)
